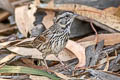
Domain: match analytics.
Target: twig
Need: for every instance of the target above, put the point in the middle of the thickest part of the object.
(96, 38)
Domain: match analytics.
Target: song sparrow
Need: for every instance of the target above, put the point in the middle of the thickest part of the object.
(53, 40)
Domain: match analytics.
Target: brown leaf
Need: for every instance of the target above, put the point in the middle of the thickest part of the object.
(107, 64)
(62, 76)
(37, 54)
(100, 16)
(26, 52)
(79, 52)
(110, 10)
(113, 11)
(6, 29)
(37, 2)
(48, 19)
(117, 13)
(7, 6)
(104, 18)
(109, 39)
(24, 17)
(33, 77)
(63, 55)
(4, 44)
(7, 58)
(102, 75)
(4, 15)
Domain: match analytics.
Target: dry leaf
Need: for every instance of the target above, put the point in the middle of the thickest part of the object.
(107, 64)
(79, 52)
(33, 77)
(113, 11)
(4, 15)
(109, 39)
(37, 54)
(4, 44)
(87, 43)
(117, 13)
(104, 60)
(24, 17)
(48, 19)
(62, 76)
(26, 40)
(26, 52)
(63, 55)
(110, 10)
(7, 58)
(37, 2)
(6, 5)
(100, 16)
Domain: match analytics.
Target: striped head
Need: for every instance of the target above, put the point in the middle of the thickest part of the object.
(65, 19)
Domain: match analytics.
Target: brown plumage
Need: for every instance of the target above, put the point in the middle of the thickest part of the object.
(54, 39)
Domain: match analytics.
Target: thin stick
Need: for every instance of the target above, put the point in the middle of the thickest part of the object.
(96, 38)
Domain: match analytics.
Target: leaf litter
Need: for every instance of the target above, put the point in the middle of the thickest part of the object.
(93, 60)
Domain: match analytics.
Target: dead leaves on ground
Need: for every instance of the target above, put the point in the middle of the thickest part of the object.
(109, 39)
(88, 53)
(103, 17)
(77, 51)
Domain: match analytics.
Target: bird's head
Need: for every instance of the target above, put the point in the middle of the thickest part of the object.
(65, 19)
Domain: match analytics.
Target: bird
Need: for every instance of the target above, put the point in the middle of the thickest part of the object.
(54, 39)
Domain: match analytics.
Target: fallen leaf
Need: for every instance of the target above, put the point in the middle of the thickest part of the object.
(111, 21)
(109, 39)
(62, 76)
(48, 19)
(104, 60)
(64, 55)
(27, 70)
(105, 18)
(37, 2)
(92, 53)
(26, 52)
(6, 29)
(6, 5)
(4, 15)
(78, 51)
(4, 44)
(110, 10)
(117, 13)
(104, 75)
(33, 77)
(7, 58)
(107, 64)
(37, 54)
(24, 17)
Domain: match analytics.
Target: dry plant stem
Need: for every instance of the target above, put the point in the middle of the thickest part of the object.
(2, 65)
(116, 53)
(45, 63)
(107, 63)
(60, 61)
(96, 38)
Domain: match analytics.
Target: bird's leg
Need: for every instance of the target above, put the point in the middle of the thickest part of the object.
(44, 58)
(66, 67)
(59, 59)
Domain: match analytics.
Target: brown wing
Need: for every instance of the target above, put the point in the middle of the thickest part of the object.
(45, 36)
(27, 44)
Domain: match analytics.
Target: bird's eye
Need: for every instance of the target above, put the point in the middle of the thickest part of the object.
(67, 15)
